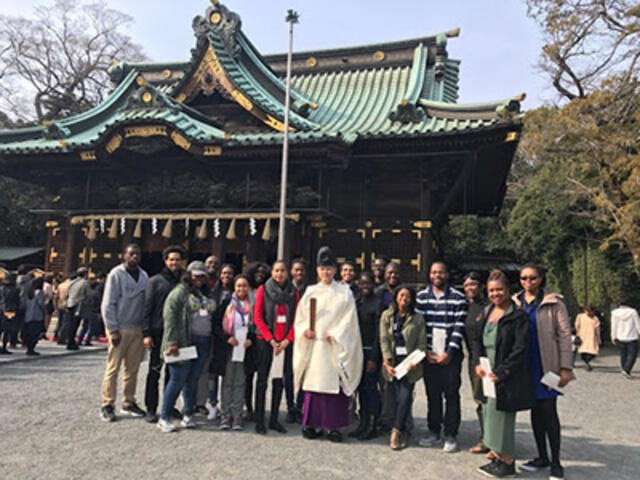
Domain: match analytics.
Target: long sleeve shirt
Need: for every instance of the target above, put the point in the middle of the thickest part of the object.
(447, 311)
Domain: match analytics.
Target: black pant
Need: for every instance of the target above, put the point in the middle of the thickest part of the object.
(587, 357)
(289, 391)
(546, 424)
(443, 381)
(72, 331)
(264, 359)
(31, 334)
(249, 372)
(153, 375)
(404, 396)
(628, 354)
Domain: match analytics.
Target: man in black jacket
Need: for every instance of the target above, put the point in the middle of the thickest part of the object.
(156, 293)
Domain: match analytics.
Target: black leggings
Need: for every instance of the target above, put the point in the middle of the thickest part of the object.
(546, 424)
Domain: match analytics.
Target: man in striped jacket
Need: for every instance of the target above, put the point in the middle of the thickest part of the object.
(444, 309)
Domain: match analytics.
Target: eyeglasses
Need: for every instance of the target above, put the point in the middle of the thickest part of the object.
(531, 278)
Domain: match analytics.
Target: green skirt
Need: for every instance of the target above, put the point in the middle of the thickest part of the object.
(499, 429)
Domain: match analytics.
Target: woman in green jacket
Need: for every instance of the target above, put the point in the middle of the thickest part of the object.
(402, 331)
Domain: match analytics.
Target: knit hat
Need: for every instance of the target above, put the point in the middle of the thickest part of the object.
(197, 268)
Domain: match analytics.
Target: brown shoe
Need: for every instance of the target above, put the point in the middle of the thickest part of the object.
(479, 448)
(395, 439)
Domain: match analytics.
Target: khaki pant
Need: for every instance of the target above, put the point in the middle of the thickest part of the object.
(129, 350)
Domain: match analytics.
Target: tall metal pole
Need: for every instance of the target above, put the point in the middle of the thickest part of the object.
(292, 17)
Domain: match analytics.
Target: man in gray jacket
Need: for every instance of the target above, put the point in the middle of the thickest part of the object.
(123, 310)
(79, 300)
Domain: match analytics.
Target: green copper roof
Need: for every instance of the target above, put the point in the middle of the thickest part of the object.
(403, 89)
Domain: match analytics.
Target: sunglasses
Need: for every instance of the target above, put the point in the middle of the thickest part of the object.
(531, 278)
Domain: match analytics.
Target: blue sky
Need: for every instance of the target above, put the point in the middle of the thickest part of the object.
(499, 45)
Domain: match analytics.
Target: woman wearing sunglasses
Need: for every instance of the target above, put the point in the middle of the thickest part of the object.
(550, 351)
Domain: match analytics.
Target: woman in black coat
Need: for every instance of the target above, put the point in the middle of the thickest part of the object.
(503, 337)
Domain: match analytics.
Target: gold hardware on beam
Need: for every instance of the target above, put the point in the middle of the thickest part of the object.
(417, 233)
(92, 255)
(147, 97)
(180, 140)
(397, 261)
(342, 230)
(51, 224)
(145, 131)
(181, 98)
(313, 106)
(212, 150)
(322, 231)
(511, 137)
(314, 218)
(244, 102)
(166, 73)
(379, 56)
(106, 255)
(53, 254)
(312, 62)
(140, 81)
(114, 143)
(417, 262)
(361, 259)
(341, 259)
(396, 231)
(62, 143)
(215, 18)
(375, 232)
(88, 155)
(422, 224)
(404, 102)
(83, 255)
(54, 231)
(319, 224)
(362, 232)
(276, 124)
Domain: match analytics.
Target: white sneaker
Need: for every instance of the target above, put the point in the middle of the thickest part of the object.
(166, 426)
(213, 413)
(430, 440)
(188, 422)
(450, 445)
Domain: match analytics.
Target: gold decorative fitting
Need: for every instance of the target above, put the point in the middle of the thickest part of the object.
(511, 137)
(166, 73)
(141, 81)
(319, 225)
(181, 98)
(180, 141)
(362, 233)
(379, 56)
(341, 259)
(212, 150)
(417, 233)
(453, 33)
(46, 123)
(51, 224)
(404, 102)
(62, 143)
(368, 224)
(417, 262)
(52, 254)
(422, 224)
(396, 260)
(375, 232)
(88, 155)
(396, 231)
(312, 62)
(55, 231)
(313, 106)
(215, 18)
(322, 231)
(114, 143)
(244, 102)
(147, 97)
(106, 255)
(342, 230)
(361, 259)
(146, 131)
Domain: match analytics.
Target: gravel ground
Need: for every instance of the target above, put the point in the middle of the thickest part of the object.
(50, 429)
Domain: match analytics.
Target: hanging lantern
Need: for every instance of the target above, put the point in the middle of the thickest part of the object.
(113, 229)
(168, 229)
(137, 232)
(123, 226)
(91, 233)
(231, 233)
(202, 231)
(216, 227)
(252, 227)
(154, 226)
(266, 233)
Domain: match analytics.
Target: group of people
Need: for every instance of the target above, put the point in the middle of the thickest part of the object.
(28, 304)
(337, 346)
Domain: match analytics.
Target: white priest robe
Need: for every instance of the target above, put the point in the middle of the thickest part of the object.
(319, 365)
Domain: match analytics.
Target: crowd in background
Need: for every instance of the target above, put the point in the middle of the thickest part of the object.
(239, 323)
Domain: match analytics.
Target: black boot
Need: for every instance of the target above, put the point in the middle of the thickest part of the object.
(362, 426)
(371, 431)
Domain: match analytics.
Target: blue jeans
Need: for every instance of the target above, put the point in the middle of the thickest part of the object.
(213, 388)
(87, 329)
(628, 354)
(183, 377)
(404, 395)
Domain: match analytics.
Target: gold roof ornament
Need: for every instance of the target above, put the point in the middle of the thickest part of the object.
(92, 232)
(266, 232)
(166, 73)
(215, 18)
(312, 62)
(167, 231)
(379, 56)
(202, 231)
(147, 97)
(113, 229)
(137, 232)
(141, 81)
(231, 233)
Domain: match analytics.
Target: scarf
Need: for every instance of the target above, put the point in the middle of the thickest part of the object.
(236, 307)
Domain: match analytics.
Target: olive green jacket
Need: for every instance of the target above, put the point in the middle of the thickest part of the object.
(415, 338)
(175, 315)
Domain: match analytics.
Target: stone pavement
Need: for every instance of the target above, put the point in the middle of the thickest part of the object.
(47, 348)
(50, 429)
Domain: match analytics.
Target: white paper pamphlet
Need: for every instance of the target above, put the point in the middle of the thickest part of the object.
(413, 359)
(551, 380)
(184, 354)
(277, 365)
(238, 351)
(439, 340)
(488, 387)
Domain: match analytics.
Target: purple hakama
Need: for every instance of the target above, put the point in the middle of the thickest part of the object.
(325, 410)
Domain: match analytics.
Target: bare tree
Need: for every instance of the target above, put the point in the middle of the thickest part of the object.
(587, 41)
(55, 64)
